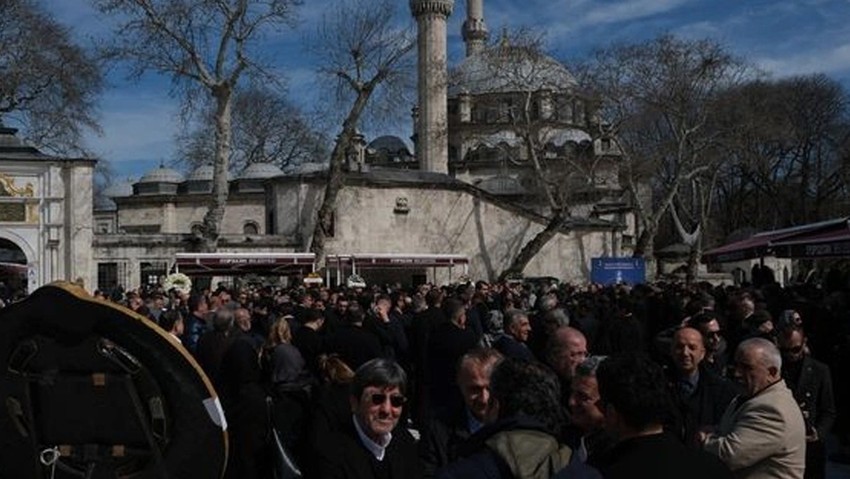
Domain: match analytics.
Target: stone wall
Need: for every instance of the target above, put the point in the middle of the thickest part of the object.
(441, 221)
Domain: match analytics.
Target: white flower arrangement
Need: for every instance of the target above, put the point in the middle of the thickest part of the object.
(178, 281)
(355, 281)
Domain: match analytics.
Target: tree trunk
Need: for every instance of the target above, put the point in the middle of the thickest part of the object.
(324, 219)
(223, 133)
(534, 246)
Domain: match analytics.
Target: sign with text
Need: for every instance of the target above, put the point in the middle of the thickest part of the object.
(610, 271)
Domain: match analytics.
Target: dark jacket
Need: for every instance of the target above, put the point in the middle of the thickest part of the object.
(813, 392)
(447, 345)
(659, 456)
(703, 407)
(517, 447)
(355, 345)
(441, 440)
(511, 348)
(343, 456)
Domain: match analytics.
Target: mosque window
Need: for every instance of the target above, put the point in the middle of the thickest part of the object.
(251, 228)
(107, 276)
(565, 109)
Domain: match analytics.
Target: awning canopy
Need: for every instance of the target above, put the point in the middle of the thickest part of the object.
(271, 264)
(778, 243)
(231, 264)
(396, 260)
(828, 244)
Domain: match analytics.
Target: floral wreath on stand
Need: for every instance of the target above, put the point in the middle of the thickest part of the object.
(313, 279)
(355, 281)
(178, 281)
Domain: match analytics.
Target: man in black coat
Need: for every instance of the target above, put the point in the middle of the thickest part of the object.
(443, 436)
(354, 344)
(636, 403)
(375, 445)
(448, 343)
(513, 343)
(700, 396)
(811, 384)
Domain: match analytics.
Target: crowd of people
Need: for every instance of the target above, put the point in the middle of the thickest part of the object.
(522, 380)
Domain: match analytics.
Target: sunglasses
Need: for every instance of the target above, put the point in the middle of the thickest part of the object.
(396, 400)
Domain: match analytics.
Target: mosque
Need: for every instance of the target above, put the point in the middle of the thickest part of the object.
(462, 200)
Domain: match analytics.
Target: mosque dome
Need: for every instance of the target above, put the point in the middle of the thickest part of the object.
(162, 175)
(203, 173)
(506, 68)
(260, 171)
(389, 144)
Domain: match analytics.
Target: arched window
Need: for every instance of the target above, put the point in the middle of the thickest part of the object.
(251, 228)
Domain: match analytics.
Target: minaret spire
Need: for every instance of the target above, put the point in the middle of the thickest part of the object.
(474, 30)
(432, 148)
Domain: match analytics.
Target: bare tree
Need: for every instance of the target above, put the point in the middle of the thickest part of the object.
(542, 125)
(206, 48)
(789, 139)
(366, 57)
(267, 128)
(48, 85)
(659, 97)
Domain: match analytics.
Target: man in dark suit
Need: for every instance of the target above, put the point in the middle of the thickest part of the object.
(699, 395)
(448, 343)
(353, 342)
(810, 382)
(443, 436)
(635, 404)
(512, 343)
(374, 445)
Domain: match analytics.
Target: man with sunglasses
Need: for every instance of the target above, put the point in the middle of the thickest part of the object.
(374, 445)
(809, 381)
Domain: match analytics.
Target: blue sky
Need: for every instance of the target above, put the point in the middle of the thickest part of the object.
(783, 37)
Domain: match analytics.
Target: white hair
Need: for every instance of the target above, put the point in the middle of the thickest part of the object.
(768, 353)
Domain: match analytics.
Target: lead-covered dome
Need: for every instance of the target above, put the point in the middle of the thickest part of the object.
(507, 68)
(162, 175)
(203, 173)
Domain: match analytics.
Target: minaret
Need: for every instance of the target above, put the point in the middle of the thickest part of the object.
(432, 147)
(474, 29)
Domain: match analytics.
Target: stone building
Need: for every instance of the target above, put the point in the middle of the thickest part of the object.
(463, 194)
(45, 216)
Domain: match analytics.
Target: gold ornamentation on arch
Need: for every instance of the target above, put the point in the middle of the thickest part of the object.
(8, 188)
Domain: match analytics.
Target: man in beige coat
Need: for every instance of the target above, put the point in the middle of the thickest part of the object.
(762, 433)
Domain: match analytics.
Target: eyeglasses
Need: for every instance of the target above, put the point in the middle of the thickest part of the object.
(396, 400)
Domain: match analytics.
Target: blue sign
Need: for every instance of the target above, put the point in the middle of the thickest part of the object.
(610, 271)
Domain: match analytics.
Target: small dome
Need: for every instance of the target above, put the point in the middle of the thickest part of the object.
(202, 173)
(259, 171)
(389, 144)
(118, 190)
(502, 185)
(162, 175)
(506, 68)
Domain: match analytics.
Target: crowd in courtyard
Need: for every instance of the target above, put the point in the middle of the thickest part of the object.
(518, 379)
